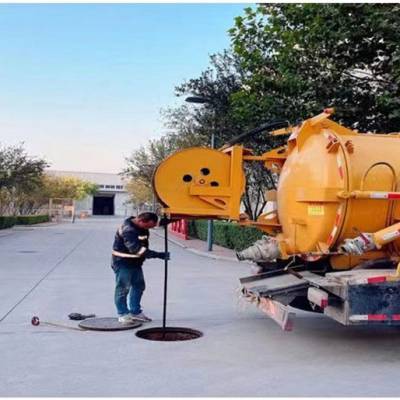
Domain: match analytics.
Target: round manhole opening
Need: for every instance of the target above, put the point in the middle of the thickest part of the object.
(169, 334)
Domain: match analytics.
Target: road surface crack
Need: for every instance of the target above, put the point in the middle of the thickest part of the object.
(58, 263)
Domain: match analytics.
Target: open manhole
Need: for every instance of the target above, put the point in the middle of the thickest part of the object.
(169, 334)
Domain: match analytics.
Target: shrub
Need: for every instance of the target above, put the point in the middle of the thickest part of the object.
(226, 234)
(7, 222)
(31, 219)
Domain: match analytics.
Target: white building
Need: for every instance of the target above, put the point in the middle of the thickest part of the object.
(111, 198)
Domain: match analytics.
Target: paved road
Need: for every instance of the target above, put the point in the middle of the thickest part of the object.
(52, 271)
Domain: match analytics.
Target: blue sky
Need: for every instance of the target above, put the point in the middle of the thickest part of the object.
(82, 85)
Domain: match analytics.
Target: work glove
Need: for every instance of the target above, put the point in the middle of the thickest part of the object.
(157, 254)
(162, 255)
(165, 221)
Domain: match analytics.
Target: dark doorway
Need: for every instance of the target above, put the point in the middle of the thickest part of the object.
(103, 205)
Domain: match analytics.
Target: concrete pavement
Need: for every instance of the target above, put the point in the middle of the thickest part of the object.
(54, 270)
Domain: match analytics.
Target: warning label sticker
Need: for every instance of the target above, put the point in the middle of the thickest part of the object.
(316, 210)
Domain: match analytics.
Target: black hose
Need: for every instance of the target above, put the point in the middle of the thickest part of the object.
(264, 127)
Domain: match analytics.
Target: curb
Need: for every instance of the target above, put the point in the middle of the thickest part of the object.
(40, 225)
(18, 228)
(45, 224)
(201, 253)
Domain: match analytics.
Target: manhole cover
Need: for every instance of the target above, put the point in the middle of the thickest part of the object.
(27, 251)
(107, 324)
(169, 334)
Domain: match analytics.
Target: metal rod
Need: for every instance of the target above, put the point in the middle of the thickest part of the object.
(165, 274)
(210, 224)
(62, 326)
(210, 228)
(36, 322)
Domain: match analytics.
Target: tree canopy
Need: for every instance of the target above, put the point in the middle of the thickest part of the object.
(18, 170)
(25, 188)
(301, 58)
(67, 187)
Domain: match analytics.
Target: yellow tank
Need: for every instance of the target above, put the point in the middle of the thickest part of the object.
(336, 183)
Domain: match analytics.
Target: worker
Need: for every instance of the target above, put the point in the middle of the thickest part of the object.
(130, 249)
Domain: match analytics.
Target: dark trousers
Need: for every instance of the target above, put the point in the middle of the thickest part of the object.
(129, 288)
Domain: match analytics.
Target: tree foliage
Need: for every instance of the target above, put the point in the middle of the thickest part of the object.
(18, 170)
(67, 187)
(140, 192)
(141, 164)
(216, 84)
(20, 179)
(301, 58)
(25, 188)
(143, 161)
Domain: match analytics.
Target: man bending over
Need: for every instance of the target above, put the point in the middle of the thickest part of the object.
(130, 249)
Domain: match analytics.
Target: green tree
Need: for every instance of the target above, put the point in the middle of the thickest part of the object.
(18, 170)
(36, 200)
(20, 177)
(140, 165)
(140, 193)
(301, 58)
(67, 187)
(184, 128)
(217, 83)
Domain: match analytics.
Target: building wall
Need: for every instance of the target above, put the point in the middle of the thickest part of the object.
(84, 205)
(121, 208)
(108, 184)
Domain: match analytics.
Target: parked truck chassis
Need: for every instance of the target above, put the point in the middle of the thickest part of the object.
(355, 297)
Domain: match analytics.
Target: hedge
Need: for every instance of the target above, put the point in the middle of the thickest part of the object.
(31, 219)
(7, 222)
(226, 234)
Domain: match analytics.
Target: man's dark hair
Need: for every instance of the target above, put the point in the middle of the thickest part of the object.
(148, 216)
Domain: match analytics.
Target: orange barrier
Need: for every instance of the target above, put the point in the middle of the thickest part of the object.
(180, 228)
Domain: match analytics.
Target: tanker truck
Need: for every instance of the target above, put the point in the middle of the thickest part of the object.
(331, 240)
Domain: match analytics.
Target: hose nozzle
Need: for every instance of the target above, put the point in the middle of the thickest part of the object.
(265, 249)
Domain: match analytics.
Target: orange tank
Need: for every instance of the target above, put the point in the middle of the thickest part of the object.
(336, 183)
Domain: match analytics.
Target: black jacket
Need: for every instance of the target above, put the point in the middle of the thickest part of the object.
(130, 244)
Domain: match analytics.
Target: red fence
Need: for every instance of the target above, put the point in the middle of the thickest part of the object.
(180, 228)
